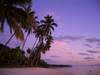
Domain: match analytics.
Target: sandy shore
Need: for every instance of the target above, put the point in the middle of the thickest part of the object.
(32, 71)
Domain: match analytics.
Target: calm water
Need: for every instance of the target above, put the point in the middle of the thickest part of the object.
(82, 70)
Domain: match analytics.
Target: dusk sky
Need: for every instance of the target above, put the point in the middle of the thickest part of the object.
(77, 37)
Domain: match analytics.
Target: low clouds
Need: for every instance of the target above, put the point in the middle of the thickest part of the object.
(56, 56)
(91, 40)
(88, 45)
(98, 44)
(83, 54)
(98, 56)
(88, 58)
(68, 37)
(55, 50)
(93, 51)
(76, 38)
(50, 61)
(58, 44)
(54, 14)
(71, 53)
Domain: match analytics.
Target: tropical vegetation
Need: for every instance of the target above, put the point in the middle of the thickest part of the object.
(20, 18)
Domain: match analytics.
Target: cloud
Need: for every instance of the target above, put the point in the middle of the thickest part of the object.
(59, 23)
(71, 53)
(55, 50)
(93, 40)
(56, 56)
(92, 51)
(98, 44)
(51, 13)
(89, 58)
(50, 61)
(58, 44)
(58, 17)
(98, 56)
(88, 45)
(97, 47)
(83, 54)
(67, 37)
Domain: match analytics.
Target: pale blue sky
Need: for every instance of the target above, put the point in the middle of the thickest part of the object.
(77, 37)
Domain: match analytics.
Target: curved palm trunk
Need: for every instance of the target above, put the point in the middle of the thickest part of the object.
(34, 47)
(34, 43)
(7, 42)
(10, 39)
(25, 41)
(36, 58)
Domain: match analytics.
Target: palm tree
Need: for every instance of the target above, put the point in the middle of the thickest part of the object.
(30, 23)
(48, 24)
(49, 41)
(13, 16)
(39, 33)
(9, 11)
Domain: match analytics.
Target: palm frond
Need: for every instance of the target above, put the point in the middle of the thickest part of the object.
(54, 24)
(29, 8)
(42, 21)
(31, 13)
(18, 32)
(14, 14)
(50, 17)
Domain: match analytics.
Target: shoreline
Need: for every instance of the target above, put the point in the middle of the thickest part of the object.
(32, 71)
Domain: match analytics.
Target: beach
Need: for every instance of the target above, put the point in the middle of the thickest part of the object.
(32, 71)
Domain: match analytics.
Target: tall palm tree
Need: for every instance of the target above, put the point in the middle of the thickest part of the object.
(48, 24)
(30, 23)
(9, 11)
(13, 16)
(39, 33)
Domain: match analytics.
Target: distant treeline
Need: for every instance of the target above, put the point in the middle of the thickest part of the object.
(54, 65)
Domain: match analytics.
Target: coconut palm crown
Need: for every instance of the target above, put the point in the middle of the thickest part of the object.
(48, 24)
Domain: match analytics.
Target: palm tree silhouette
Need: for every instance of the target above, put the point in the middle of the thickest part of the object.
(43, 32)
(30, 23)
(13, 16)
(48, 24)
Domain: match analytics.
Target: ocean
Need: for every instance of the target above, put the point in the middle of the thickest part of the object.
(81, 70)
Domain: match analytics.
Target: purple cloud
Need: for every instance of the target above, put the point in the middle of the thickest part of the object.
(98, 44)
(55, 56)
(92, 51)
(88, 45)
(50, 61)
(98, 56)
(93, 40)
(67, 37)
(83, 54)
(89, 58)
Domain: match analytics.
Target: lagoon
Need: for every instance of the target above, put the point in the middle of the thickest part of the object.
(81, 70)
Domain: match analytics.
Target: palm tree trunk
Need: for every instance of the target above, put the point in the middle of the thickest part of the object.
(7, 42)
(36, 58)
(25, 41)
(34, 43)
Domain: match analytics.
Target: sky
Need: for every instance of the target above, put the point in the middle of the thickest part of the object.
(77, 37)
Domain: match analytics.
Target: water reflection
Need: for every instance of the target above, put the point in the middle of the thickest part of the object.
(82, 70)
